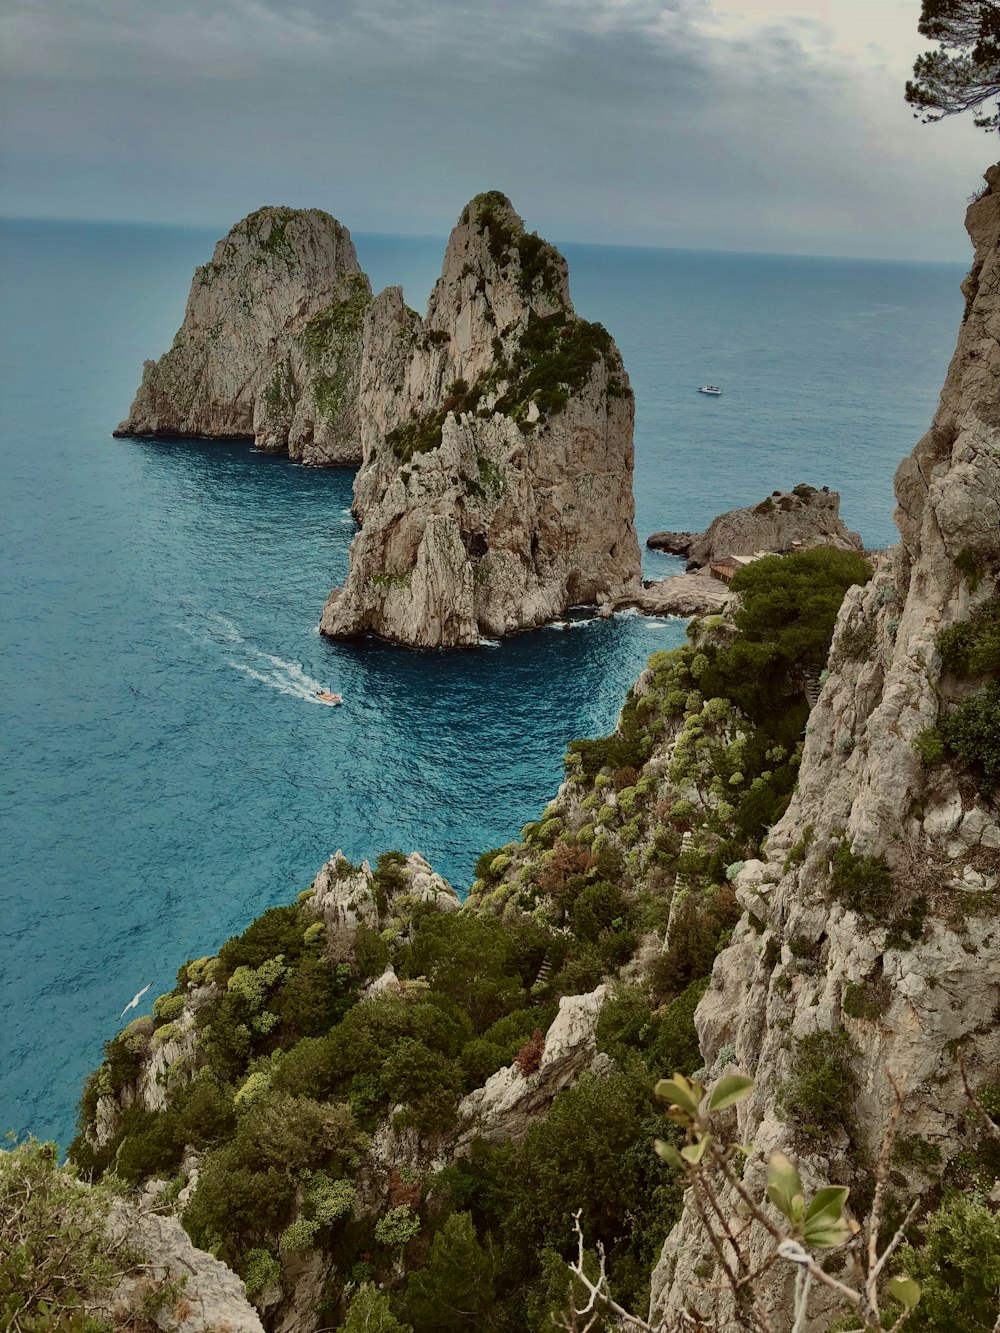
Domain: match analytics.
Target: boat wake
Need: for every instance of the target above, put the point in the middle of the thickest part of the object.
(286, 678)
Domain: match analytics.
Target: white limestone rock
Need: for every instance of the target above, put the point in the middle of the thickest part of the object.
(343, 896)
(209, 1295)
(496, 486)
(509, 1102)
(270, 346)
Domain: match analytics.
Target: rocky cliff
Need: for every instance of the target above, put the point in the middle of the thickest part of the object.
(496, 486)
(782, 521)
(869, 947)
(270, 346)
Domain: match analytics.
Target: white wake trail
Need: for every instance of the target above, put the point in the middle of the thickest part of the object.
(265, 668)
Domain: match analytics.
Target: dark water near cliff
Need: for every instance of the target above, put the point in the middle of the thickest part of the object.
(165, 775)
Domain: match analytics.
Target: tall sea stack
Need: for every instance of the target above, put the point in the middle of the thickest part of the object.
(496, 484)
(270, 346)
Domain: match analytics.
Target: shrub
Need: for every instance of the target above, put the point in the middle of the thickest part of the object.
(972, 733)
(148, 1147)
(396, 1227)
(260, 1269)
(484, 864)
(973, 647)
(57, 1255)
(279, 930)
(967, 562)
(674, 1047)
(593, 1152)
(866, 1000)
(313, 999)
(930, 746)
(427, 1083)
(698, 927)
(294, 1133)
(819, 1094)
(168, 1008)
(958, 1268)
(596, 908)
(908, 927)
(863, 884)
(792, 601)
(465, 958)
(529, 1057)
(233, 1208)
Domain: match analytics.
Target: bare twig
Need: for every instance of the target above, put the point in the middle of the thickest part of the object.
(870, 1304)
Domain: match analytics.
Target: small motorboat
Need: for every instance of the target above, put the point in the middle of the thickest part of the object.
(713, 389)
(328, 697)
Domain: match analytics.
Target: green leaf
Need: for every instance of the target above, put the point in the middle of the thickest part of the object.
(694, 1152)
(827, 1234)
(784, 1186)
(828, 1204)
(904, 1290)
(666, 1152)
(681, 1092)
(732, 1088)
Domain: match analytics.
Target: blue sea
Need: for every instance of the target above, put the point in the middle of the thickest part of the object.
(166, 775)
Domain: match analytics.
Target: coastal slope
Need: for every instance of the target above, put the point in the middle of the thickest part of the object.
(496, 483)
(868, 950)
(270, 345)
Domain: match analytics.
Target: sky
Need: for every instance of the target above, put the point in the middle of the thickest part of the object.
(772, 125)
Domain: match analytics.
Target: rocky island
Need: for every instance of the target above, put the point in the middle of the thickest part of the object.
(496, 484)
(795, 520)
(270, 345)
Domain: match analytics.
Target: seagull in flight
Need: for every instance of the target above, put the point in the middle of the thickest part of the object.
(134, 1001)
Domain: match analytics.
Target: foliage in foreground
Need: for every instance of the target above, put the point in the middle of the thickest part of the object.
(56, 1259)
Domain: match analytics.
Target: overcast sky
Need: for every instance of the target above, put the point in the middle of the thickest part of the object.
(717, 124)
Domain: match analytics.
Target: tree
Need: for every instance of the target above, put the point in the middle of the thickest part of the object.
(455, 1290)
(371, 1312)
(964, 72)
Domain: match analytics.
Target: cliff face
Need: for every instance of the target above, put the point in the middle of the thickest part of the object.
(270, 346)
(897, 984)
(496, 484)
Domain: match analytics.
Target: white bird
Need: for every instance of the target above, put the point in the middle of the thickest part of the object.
(134, 1001)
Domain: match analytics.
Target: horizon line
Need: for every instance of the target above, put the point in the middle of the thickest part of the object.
(443, 237)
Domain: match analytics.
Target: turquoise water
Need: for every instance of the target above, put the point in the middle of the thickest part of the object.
(166, 776)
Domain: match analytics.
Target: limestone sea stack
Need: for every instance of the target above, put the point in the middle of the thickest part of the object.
(783, 521)
(270, 346)
(496, 484)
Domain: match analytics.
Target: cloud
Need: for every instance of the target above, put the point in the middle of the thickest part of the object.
(645, 121)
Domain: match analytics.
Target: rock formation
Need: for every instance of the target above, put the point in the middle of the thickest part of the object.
(496, 486)
(180, 1289)
(694, 594)
(783, 521)
(511, 1101)
(900, 985)
(270, 346)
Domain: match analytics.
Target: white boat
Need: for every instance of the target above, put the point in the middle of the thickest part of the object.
(713, 389)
